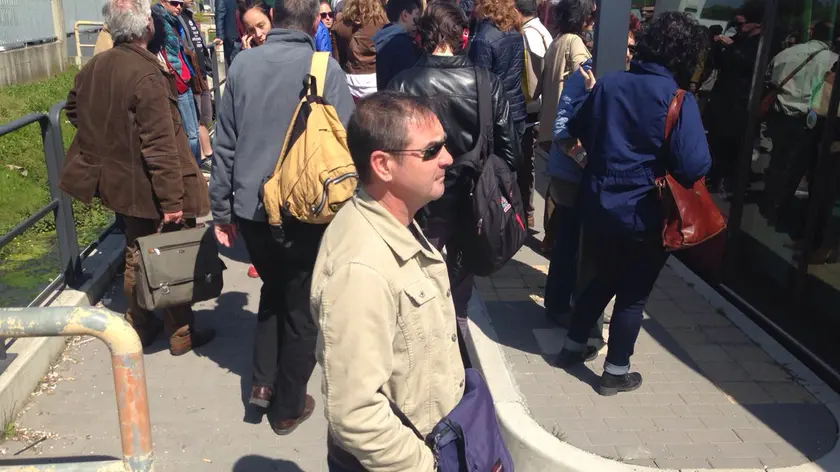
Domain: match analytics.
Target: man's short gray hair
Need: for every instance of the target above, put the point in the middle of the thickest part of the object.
(127, 20)
(296, 15)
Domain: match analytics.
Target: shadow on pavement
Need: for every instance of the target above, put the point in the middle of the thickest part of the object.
(685, 348)
(233, 347)
(237, 253)
(254, 463)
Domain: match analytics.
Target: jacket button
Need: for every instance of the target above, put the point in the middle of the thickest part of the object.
(422, 294)
(448, 293)
(461, 384)
(454, 338)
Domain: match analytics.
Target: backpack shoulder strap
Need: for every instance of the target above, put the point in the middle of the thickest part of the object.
(485, 112)
(318, 71)
(800, 67)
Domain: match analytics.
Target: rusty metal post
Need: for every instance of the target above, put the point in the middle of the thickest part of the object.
(127, 362)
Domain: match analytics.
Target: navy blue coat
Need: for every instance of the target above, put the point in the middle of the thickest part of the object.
(226, 21)
(622, 127)
(504, 55)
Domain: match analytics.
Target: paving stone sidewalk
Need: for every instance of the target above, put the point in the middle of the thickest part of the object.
(711, 398)
(197, 401)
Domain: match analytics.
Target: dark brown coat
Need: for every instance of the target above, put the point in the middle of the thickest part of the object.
(131, 149)
(354, 48)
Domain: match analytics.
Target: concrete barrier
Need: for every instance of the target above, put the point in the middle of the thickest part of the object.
(32, 63)
(36, 355)
(536, 450)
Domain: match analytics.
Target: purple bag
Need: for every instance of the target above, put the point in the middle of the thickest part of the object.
(468, 439)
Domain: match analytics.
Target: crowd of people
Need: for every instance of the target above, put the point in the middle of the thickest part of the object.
(379, 295)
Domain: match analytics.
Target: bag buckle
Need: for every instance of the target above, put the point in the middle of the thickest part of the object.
(164, 287)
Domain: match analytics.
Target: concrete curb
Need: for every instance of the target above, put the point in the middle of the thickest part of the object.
(36, 355)
(535, 449)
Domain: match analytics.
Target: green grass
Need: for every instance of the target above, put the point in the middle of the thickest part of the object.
(29, 261)
(9, 431)
(21, 196)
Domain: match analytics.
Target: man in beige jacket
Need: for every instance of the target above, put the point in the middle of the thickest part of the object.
(381, 295)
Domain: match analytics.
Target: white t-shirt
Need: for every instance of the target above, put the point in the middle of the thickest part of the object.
(537, 36)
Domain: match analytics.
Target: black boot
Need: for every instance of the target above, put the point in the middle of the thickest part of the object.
(568, 358)
(612, 384)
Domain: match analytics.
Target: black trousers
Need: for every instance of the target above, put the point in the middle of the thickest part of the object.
(284, 347)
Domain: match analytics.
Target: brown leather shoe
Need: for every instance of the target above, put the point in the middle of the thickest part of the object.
(284, 427)
(184, 342)
(261, 396)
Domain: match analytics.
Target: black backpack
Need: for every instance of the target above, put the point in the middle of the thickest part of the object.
(494, 229)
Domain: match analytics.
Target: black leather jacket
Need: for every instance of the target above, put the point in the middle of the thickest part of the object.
(449, 81)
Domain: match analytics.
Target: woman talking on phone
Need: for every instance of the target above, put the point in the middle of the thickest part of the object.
(256, 21)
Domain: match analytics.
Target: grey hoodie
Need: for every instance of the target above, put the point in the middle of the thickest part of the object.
(262, 91)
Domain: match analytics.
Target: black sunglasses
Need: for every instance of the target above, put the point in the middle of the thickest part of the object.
(176, 4)
(325, 14)
(427, 154)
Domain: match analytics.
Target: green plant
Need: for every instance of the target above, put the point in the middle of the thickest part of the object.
(9, 431)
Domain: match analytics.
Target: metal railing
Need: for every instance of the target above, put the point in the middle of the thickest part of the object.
(217, 82)
(60, 204)
(129, 377)
(77, 38)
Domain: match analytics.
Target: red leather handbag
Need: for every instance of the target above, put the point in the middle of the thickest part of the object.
(690, 215)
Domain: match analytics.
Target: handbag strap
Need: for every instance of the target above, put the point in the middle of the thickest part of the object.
(177, 74)
(800, 67)
(404, 419)
(673, 113)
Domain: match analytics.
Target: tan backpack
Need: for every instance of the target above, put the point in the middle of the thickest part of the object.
(315, 174)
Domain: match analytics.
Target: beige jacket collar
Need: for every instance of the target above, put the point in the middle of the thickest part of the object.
(398, 237)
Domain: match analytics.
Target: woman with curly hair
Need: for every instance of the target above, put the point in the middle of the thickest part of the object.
(448, 79)
(622, 127)
(354, 49)
(497, 46)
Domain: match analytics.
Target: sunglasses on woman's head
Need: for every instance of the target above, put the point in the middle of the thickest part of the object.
(325, 14)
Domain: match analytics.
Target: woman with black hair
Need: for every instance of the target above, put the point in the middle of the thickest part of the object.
(622, 127)
(256, 22)
(448, 78)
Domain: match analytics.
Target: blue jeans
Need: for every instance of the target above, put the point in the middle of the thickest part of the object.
(562, 272)
(627, 269)
(189, 118)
